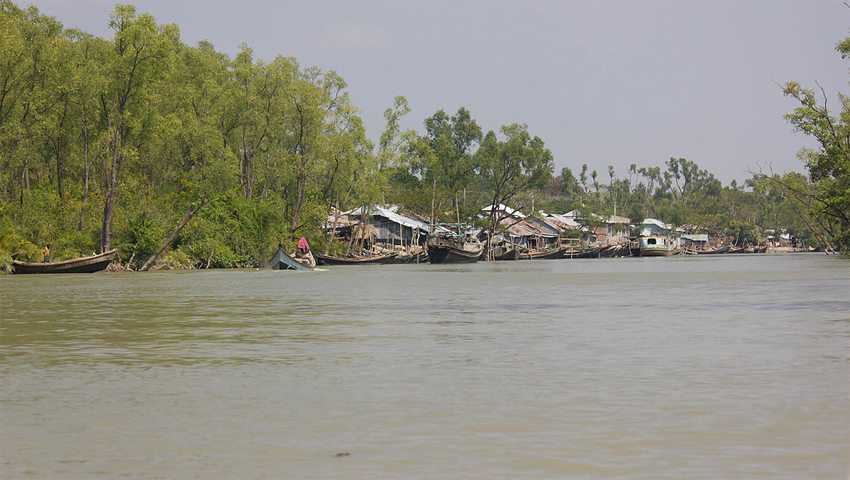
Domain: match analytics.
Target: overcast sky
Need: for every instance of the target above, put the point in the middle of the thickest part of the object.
(601, 82)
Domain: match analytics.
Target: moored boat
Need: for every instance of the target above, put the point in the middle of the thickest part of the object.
(502, 253)
(616, 250)
(444, 248)
(94, 263)
(716, 251)
(549, 254)
(356, 260)
(656, 246)
(584, 252)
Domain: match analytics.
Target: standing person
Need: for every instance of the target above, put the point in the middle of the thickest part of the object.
(46, 253)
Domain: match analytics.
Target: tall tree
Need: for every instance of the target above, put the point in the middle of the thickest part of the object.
(141, 52)
(517, 164)
(452, 140)
(829, 165)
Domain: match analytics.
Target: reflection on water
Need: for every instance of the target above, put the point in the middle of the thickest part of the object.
(723, 367)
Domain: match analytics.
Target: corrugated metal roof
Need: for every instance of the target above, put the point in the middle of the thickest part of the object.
(524, 228)
(502, 208)
(657, 223)
(563, 220)
(390, 214)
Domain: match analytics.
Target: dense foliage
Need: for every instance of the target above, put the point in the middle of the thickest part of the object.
(184, 155)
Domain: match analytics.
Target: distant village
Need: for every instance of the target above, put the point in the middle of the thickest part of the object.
(386, 229)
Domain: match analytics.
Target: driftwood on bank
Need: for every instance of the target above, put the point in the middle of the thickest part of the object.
(189, 214)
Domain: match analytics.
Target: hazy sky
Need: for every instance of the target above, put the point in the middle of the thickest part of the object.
(601, 82)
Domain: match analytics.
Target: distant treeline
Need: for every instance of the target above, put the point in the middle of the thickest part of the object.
(165, 150)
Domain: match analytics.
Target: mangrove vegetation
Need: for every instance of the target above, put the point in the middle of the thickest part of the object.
(181, 156)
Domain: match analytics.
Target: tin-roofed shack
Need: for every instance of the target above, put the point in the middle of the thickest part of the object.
(380, 228)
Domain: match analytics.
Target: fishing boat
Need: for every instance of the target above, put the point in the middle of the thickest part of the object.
(453, 248)
(356, 260)
(656, 246)
(283, 261)
(94, 263)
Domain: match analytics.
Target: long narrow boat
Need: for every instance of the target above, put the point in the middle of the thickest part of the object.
(453, 249)
(584, 252)
(94, 263)
(361, 260)
(282, 261)
(716, 251)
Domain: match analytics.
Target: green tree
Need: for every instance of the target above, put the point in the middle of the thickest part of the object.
(141, 52)
(452, 141)
(829, 165)
(518, 164)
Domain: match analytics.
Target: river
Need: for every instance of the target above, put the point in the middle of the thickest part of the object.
(732, 367)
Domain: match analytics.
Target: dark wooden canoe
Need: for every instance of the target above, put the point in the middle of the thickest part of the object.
(282, 261)
(716, 251)
(362, 260)
(92, 264)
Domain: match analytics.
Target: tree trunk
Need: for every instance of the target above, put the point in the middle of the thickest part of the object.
(300, 187)
(111, 187)
(85, 178)
(189, 214)
(433, 196)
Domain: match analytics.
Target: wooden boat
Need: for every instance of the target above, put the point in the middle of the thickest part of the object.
(92, 264)
(416, 257)
(543, 254)
(656, 246)
(617, 250)
(358, 260)
(716, 251)
(453, 249)
(585, 252)
(283, 261)
(503, 253)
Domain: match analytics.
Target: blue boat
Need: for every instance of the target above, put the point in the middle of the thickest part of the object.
(282, 261)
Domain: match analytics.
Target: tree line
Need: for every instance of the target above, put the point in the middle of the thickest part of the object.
(183, 155)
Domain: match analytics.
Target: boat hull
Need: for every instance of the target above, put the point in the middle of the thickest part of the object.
(656, 247)
(95, 263)
(437, 254)
(543, 255)
(655, 252)
(283, 261)
(378, 260)
(718, 251)
(506, 254)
